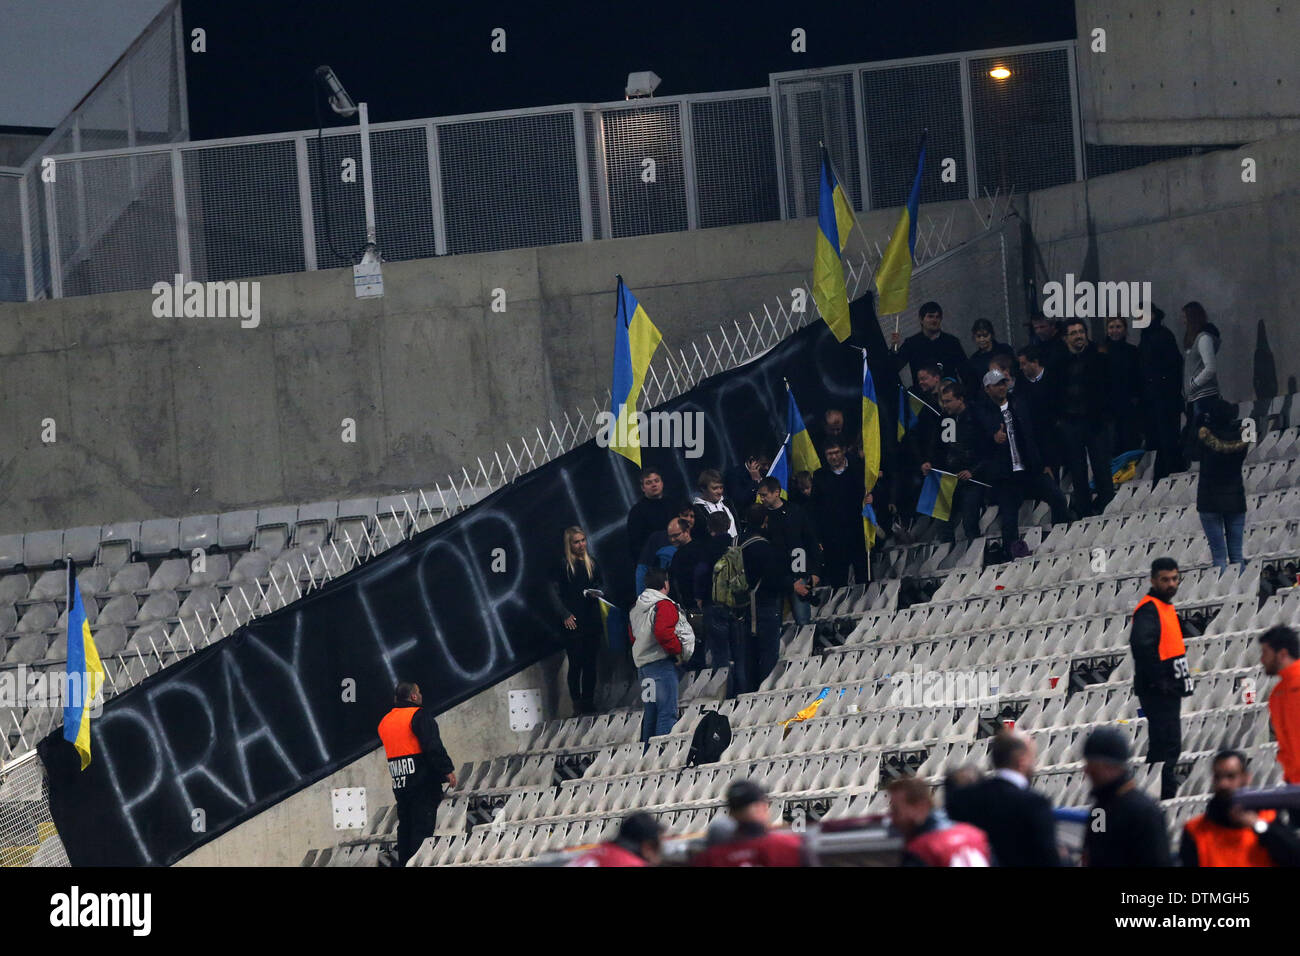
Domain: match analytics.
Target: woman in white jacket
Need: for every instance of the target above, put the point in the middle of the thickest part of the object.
(1200, 363)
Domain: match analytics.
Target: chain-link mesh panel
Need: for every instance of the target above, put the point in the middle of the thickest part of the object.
(897, 104)
(641, 142)
(403, 207)
(102, 122)
(1024, 128)
(40, 236)
(244, 215)
(338, 199)
(817, 110)
(120, 225)
(13, 275)
(510, 183)
(27, 835)
(735, 167)
(595, 172)
(155, 87)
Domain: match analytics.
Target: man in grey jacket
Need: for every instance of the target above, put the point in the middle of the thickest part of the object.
(661, 638)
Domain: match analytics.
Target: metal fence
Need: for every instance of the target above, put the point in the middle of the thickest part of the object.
(123, 213)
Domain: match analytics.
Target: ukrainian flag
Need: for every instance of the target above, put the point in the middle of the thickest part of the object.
(802, 453)
(869, 525)
(894, 274)
(909, 410)
(809, 711)
(834, 221)
(780, 469)
(635, 341)
(85, 673)
(936, 495)
(870, 426)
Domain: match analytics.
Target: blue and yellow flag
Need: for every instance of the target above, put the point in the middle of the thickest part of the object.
(834, 221)
(780, 469)
(894, 273)
(870, 525)
(909, 409)
(809, 711)
(1123, 467)
(85, 673)
(936, 495)
(870, 427)
(803, 456)
(635, 341)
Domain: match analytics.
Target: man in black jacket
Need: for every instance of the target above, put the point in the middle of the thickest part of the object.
(1047, 336)
(651, 513)
(962, 451)
(1017, 818)
(930, 346)
(1124, 373)
(1161, 678)
(790, 529)
(1084, 420)
(1125, 826)
(767, 572)
(1161, 361)
(418, 764)
(1042, 389)
(1015, 469)
(837, 502)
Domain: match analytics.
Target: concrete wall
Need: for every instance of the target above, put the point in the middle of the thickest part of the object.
(1194, 230)
(168, 417)
(1191, 72)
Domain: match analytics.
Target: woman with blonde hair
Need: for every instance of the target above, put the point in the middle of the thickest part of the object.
(576, 608)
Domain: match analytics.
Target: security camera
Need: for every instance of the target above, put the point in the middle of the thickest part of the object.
(340, 102)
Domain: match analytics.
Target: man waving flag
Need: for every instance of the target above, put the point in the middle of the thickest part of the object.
(85, 673)
(635, 341)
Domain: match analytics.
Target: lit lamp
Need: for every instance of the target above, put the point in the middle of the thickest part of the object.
(999, 72)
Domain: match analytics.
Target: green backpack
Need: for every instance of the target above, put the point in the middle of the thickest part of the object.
(730, 586)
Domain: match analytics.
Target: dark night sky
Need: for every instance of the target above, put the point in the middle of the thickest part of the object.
(417, 58)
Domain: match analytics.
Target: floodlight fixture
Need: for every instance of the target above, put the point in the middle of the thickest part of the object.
(641, 84)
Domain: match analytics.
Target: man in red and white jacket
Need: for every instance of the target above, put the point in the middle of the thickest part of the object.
(660, 635)
(933, 839)
(637, 844)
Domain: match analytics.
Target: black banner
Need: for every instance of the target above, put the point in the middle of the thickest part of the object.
(290, 698)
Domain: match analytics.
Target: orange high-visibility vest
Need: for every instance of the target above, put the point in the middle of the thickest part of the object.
(1229, 846)
(395, 731)
(1171, 630)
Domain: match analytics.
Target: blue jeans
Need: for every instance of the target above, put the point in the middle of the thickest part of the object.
(1225, 534)
(799, 607)
(661, 708)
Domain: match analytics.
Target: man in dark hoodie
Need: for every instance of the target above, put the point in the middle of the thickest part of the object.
(651, 513)
(1084, 420)
(837, 504)
(1124, 373)
(1125, 826)
(1161, 363)
(1161, 677)
(721, 625)
(790, 529)
(768, 574)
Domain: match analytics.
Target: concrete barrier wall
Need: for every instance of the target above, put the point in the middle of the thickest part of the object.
(1188, 73)
(167, 417)
(1194, 230)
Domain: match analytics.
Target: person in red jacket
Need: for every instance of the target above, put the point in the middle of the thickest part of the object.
(1279, 653)
(933, 839)
(637, 844)
(753, 842)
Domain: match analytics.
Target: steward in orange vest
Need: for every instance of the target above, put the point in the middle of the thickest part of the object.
(1161, 677)
(1228, 835)
(418, 764)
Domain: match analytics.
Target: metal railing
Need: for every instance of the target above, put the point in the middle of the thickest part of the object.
(124, 218)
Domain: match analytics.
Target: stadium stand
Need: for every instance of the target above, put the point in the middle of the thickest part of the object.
(1041, 643)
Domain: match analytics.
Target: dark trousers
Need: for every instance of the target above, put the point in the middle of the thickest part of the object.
(1128, 427)
(967, 503)
(583, 650)
(1164, 738)
(837, 558)
(1083, 442)
(1161, 427)
(417, 812)
(1010, 494)
(765, 637)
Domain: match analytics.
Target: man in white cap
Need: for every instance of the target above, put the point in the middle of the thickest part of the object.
(1016, 469)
